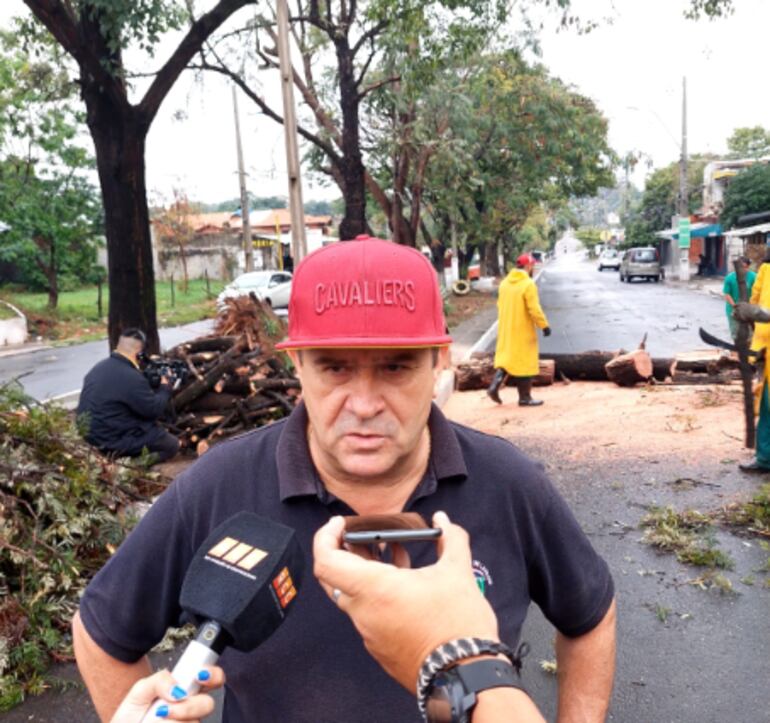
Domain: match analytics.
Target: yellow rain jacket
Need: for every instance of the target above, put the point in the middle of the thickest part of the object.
(518, 313)
(760, 294)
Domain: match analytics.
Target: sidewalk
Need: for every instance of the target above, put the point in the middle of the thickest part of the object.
(711, 285)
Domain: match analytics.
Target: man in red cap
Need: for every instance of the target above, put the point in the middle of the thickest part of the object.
(367, 336)
(519, 316)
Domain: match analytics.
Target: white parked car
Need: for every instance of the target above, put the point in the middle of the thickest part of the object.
(274, 287)
(609, 259)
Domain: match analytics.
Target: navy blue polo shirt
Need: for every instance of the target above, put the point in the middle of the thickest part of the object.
(526, 545)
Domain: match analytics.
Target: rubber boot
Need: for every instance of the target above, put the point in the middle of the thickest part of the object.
(524, 386)
(493, 389)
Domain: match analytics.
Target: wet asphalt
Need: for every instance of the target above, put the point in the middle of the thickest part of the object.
(589, 309)
(685, 654)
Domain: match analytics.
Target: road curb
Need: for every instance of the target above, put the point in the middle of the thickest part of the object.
(25, 349)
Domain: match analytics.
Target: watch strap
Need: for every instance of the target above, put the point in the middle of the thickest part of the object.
(482, 675)
(450, 653)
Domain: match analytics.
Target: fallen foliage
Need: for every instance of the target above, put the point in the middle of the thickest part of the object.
(61, 515)
(688, 534)
(754, 515)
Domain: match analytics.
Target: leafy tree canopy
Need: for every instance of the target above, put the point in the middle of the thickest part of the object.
(46, 197)
(749, 192)
(749, 142)
(659, 200)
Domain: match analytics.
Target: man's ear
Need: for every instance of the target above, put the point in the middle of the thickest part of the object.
(443, 359)
(296, 358)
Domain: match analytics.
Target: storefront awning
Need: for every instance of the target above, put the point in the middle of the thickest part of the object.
(697, 230)
(749, 230)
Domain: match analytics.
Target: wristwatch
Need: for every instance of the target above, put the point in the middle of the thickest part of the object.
(454, 692)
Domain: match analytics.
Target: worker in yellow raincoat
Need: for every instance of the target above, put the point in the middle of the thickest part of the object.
(760, 294)
(518, 315)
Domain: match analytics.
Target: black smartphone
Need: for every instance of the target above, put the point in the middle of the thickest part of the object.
(369, 537)
(373, 529)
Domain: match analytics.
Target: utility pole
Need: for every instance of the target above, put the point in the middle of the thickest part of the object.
(296, 207)
(684, 205)
(248, 246)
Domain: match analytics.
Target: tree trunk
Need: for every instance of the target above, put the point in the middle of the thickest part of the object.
(185, 277)
(351, 163)
(586, 366)
(629, 369)
(490, 261)
(119, 139)
(478, 373)
(53, 277)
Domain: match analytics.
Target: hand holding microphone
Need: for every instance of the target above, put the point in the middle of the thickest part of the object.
(239, 588)
(162, 685)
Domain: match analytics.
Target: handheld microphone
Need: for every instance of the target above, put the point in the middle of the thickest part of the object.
(238, 589)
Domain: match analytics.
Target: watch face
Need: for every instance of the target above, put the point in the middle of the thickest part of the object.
(439, 705)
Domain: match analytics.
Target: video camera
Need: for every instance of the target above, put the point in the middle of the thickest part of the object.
(175, 371)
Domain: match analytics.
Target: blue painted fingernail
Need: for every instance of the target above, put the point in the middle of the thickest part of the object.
(161, 711)
(178, 693)
(203, 675)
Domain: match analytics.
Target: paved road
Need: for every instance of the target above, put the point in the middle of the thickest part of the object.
(56, 371)
(588, 309)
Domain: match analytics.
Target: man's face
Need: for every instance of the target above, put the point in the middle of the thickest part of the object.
(367, 407)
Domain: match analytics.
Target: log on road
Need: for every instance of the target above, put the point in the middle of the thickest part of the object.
(586, 366)
(626, 370)
(478, 373)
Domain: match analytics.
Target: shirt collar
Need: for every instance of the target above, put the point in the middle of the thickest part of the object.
(297, 475)
(119, 355)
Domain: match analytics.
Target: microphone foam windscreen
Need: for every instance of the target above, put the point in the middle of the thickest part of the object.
(244, 576)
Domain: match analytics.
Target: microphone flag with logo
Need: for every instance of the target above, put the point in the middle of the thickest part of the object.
(238, 589)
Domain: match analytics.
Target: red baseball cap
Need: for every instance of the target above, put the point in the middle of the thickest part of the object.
(525, 260)
(365, 293)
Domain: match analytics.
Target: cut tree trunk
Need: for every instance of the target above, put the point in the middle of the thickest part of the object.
(586, 366)
(706, 361)
(546, 375)
(626, 370)
(478, 373)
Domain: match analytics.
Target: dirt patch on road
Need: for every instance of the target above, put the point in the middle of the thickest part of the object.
(598, 420)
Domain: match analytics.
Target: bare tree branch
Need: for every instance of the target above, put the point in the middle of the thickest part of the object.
(196, 36)
(316, 140)
(378, 84)
(370, 34)
(365, 66)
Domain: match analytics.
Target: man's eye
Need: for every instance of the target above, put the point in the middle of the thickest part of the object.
(395, 368)
(335, 368)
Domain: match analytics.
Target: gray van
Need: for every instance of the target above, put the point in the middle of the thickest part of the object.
(644, 263)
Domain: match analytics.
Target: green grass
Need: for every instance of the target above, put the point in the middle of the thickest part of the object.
(76, 316)
(6, 313)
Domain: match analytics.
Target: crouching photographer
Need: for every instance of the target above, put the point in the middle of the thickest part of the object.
(119, 409)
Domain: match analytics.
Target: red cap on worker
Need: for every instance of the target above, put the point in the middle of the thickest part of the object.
(365, 293)
(525, 260)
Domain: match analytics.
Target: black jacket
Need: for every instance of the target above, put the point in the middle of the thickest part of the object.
(119, 408)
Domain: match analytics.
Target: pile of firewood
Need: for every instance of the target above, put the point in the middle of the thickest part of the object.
(237, 380)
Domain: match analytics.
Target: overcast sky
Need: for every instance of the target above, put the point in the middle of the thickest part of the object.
(632, 66)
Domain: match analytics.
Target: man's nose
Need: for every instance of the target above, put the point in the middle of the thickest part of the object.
(365, 398)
